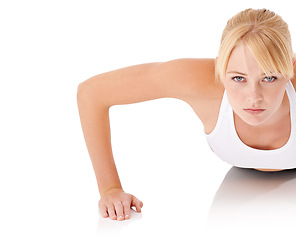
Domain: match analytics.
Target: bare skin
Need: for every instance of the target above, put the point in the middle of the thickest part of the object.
(190, 80)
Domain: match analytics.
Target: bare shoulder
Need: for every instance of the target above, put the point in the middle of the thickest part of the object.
(197, 74)
(206, 94)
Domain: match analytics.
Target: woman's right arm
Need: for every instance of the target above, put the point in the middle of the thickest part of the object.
(176, 79)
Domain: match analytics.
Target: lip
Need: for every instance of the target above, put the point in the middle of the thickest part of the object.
(254, 110)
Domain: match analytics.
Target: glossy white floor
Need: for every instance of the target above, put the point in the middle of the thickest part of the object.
(48, 188)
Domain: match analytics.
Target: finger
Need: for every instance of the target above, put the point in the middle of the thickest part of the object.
(137, 203)
(127, 210)
(103, 210)
(111, 212)
(119, 210)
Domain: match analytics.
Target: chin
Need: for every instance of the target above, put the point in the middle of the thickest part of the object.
(253, 121)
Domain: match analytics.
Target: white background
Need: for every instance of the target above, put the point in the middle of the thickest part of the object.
(47, 186)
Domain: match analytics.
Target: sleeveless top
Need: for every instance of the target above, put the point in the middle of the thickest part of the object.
(226, 144)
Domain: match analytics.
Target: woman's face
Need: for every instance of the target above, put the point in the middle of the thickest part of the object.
(253, 96)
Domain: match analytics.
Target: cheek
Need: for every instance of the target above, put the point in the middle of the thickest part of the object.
(235, 98)
(274, 98)
(275, 95)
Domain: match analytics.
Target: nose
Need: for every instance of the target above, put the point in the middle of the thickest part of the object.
(254, 94)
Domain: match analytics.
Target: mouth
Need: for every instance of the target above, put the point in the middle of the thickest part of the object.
(254, 110)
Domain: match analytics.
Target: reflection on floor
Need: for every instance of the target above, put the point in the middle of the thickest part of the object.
(111, 228)
(256, 200)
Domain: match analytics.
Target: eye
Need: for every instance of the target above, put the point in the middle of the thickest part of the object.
(238, 79)
(270, 79)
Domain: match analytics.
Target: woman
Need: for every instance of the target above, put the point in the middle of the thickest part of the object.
(245, 99)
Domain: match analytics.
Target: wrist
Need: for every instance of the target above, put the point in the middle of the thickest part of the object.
(111, 190)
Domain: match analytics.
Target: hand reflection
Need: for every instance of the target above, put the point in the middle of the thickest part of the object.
(111, 228)
(248, 197)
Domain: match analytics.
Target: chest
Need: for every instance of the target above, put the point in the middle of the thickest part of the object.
(264, 139)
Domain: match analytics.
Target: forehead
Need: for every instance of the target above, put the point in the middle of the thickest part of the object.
(242, 58)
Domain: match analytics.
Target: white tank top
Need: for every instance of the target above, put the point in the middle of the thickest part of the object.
(226, 144)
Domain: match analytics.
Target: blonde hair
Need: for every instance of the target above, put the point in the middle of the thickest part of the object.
(267, 36)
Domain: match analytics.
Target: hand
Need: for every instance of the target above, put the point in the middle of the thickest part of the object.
(116, 204)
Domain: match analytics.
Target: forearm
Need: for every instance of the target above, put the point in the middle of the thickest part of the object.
(94, 118)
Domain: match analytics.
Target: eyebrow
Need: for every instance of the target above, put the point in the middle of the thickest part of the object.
(237, 73)
(244, 74)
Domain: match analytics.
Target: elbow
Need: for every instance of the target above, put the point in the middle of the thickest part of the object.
(84, 88)
(83, 91)
(88, 94)
(80, 90)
